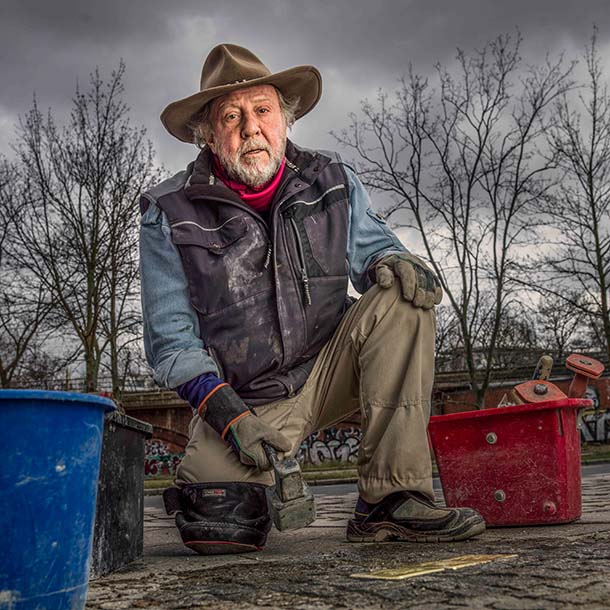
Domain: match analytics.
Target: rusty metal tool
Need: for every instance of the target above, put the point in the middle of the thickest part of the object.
(292, 503)
(585, 368)
(539, 388)
(543, 368)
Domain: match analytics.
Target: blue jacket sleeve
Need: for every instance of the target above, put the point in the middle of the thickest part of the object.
(369, 236)
(172, 344)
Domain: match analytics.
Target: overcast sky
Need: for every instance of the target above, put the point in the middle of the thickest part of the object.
(358, 46)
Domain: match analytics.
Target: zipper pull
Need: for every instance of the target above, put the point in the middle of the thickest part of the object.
(305, 281)
(268, 257)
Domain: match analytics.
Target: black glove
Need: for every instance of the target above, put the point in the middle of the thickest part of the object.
(227, 413)
(418, 284)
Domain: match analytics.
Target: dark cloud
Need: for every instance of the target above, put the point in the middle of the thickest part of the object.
(358, 45)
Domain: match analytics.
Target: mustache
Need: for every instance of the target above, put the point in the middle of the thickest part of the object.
(247, 147)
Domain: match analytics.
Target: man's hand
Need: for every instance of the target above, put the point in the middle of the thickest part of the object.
(418, 284)
(227, 413)
(246, 438)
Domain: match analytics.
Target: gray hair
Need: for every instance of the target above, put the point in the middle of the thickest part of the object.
(201, 123)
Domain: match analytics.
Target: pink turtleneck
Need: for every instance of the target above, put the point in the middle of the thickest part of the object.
(257, 198)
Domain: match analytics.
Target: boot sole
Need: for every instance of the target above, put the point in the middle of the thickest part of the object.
(220, 547)
(387, 531)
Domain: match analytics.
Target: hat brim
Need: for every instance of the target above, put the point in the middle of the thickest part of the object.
(304, 82)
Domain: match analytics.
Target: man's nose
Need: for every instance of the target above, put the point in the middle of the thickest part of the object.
(250, 126)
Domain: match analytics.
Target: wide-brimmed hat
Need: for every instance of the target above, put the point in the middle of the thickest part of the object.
(229, 67)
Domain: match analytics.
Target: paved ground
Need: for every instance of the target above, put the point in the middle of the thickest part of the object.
(564, 566)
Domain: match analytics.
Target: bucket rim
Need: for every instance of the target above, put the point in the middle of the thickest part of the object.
(562, 403)
(54, 395)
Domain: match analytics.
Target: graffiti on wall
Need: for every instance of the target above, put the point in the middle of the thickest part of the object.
(595, 427)
(159, 460)
(331, 445)
(326, 446)
(591, 394)
(594, 424)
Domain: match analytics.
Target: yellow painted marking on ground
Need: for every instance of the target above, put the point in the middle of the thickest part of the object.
(429, 567)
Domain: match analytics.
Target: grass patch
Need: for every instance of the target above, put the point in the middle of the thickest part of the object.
(328, 465)
(595, 452)
(158, 483)
(324, 475)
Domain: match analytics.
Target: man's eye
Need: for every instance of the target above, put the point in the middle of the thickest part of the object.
(263, 110)
(231, 116)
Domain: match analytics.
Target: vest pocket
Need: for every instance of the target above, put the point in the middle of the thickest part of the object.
(224, 264)
(215, 239)
(244, 339)
(327, 236)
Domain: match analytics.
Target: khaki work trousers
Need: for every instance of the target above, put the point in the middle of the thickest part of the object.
(380, 362)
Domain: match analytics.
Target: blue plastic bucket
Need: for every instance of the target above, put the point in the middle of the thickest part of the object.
(51, 445)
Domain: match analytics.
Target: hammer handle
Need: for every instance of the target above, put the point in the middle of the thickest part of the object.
(270, 452)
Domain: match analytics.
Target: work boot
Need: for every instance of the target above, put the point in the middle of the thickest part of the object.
(217, 518)
(410, 516)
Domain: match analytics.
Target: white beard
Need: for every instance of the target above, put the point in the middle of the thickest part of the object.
(252, 174)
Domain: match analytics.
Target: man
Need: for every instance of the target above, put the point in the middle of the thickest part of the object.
(245, 259)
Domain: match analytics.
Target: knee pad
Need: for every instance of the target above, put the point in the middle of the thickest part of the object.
(217, 518)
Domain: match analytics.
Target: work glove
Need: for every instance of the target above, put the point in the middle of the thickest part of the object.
(245, 433)
(418, 283)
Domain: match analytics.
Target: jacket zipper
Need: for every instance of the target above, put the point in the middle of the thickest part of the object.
(301, 255)
(268, 256)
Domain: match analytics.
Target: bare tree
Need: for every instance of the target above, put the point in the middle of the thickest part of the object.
(558, 324)
(78, 236)
(24, 304)
(462, 169)
(448, 342)
(516, 342)
(579, 266)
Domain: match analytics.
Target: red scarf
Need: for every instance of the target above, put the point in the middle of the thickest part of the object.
(257, 198)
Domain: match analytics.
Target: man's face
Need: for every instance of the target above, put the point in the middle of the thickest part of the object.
(249, 134)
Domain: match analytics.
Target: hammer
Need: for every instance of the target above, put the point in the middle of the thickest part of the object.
(292, 504)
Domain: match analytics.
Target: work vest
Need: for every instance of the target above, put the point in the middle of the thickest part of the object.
(268, 294)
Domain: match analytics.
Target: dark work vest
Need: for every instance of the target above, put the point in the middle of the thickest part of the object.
(268, 295)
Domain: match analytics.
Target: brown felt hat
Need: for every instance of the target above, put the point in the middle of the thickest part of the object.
(229, 67)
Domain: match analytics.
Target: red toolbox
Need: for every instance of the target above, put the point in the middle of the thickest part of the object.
(517, 465)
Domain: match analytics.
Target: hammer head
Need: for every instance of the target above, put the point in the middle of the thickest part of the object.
(292, 504)
(294, 514)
